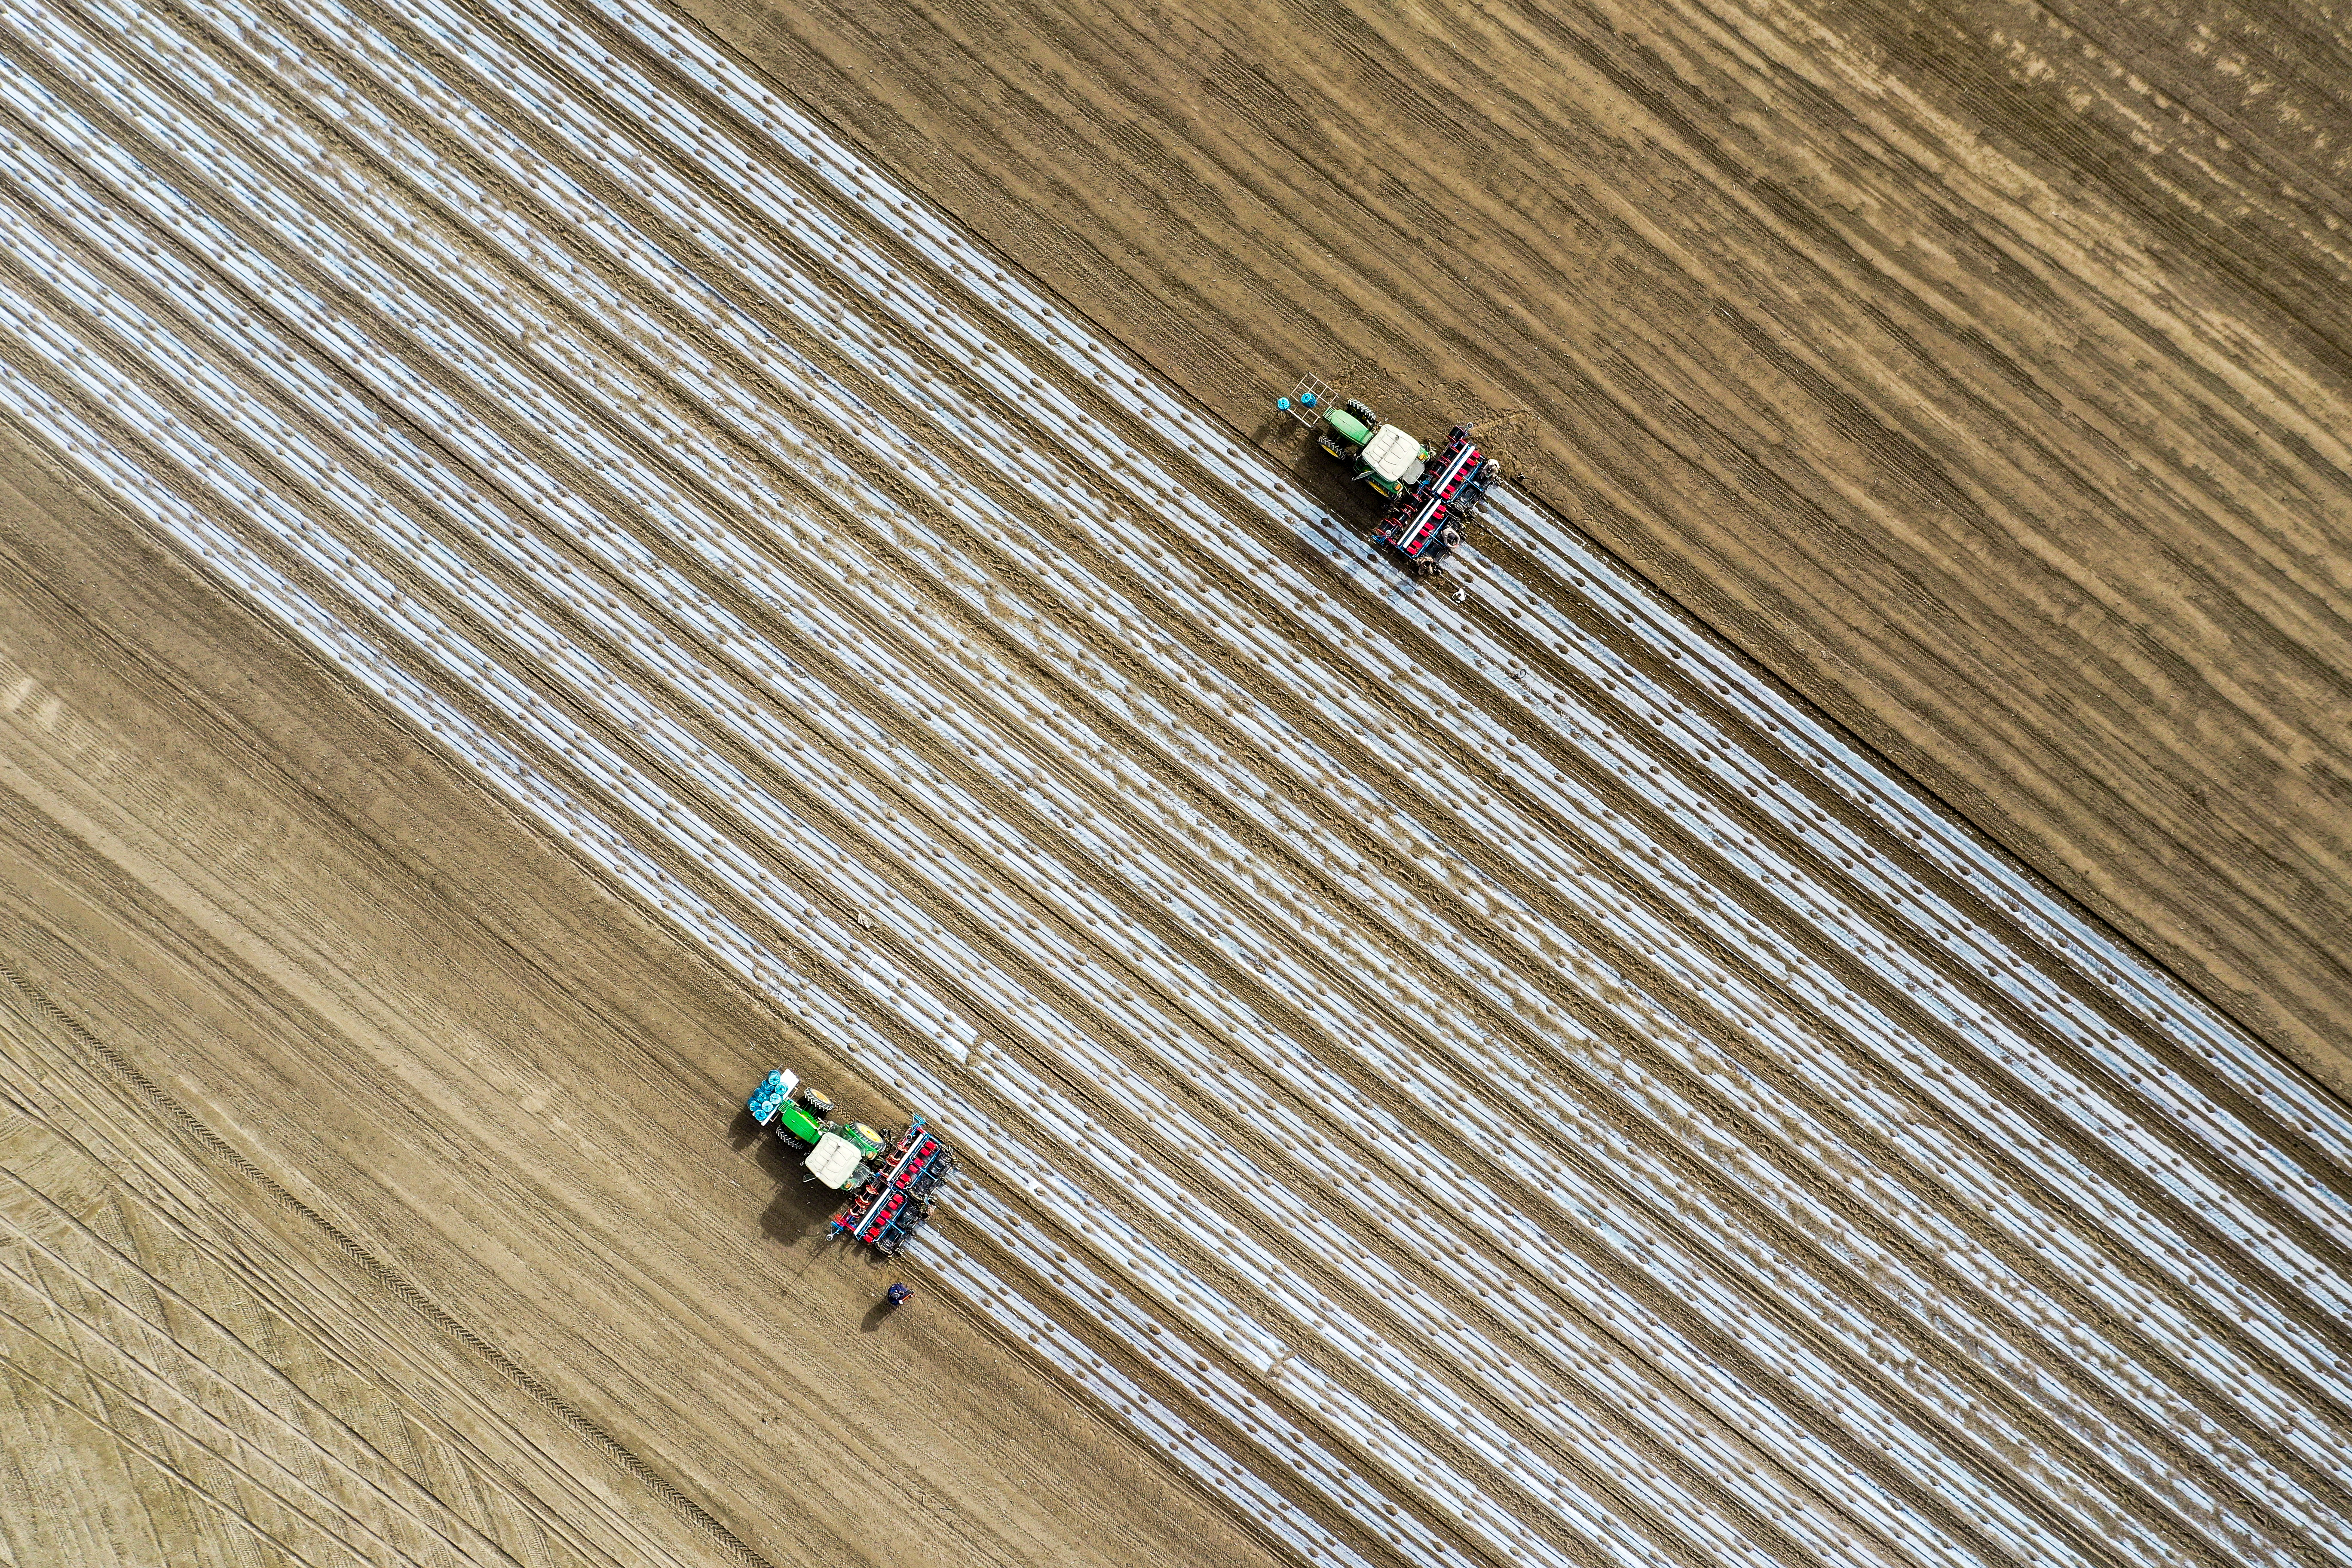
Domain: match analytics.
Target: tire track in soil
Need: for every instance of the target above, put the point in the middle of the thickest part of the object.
(382, 1274)
(1464, 755)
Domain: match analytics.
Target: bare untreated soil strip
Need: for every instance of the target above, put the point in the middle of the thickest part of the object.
(1822, 1191)
(390, 1279)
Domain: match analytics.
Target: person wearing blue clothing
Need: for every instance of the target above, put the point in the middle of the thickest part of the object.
(897, 1294)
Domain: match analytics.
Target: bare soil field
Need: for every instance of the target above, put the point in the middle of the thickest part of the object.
(1980, 369)
(536, 584)
(373, 1185)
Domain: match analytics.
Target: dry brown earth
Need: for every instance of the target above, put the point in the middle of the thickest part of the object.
(342, 1124)
(368, 1193)
(1984, 369)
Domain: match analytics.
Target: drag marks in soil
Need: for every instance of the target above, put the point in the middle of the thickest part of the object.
(264, 1373)
(1773, 1099)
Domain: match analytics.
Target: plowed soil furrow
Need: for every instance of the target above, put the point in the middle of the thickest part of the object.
(741, 1350)
(1450, 1077)
(2024, 216)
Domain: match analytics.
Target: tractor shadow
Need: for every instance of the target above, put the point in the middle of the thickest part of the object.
(1280, 441)
(799, 1210)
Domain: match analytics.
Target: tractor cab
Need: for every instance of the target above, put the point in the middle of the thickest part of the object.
(838, 1162)
(1392, 460)
(839, 1159)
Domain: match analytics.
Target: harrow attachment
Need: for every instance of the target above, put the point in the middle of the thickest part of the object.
(1426, 521)
(890, 1208)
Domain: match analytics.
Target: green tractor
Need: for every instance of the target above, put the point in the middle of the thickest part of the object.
(892, 1179)
(1383, 455)
(837, 1150)
(1431, 491)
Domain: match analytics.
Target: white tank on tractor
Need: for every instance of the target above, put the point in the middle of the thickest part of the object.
(1431, 491)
